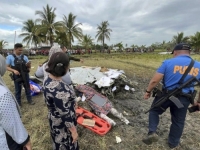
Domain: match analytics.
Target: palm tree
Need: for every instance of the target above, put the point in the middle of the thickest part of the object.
(48, 25)
(62, 39)
(86, 41)
(103, 32)
(120, 46)
(30, 36)
(195, 41)
(180, 38)
(72, 30)
(3, 44)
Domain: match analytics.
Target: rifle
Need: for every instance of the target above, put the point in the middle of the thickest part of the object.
(171, 94)
(24, 78)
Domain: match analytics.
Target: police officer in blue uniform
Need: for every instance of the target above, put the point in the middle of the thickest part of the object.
(170, 72)
(19, 64)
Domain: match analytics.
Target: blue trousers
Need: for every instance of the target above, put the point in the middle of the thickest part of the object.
(18, 88)
(177, 118)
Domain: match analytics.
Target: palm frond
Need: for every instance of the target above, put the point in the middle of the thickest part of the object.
(103, 32)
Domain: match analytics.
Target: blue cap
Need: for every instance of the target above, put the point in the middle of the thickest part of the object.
(181, 46)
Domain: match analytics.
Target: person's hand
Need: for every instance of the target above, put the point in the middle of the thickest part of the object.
(74, 136)
(147, 95)
(27, 146)
(81, 60)
(197, 104)
(16, 72)
(28, 64)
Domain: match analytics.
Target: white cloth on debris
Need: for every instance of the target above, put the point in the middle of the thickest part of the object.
(83, 75)
(104, 82)
(113, 73)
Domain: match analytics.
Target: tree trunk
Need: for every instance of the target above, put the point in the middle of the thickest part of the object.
(103, 43)
(51, 37)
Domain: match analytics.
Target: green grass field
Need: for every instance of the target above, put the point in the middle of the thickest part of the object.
(35, 117)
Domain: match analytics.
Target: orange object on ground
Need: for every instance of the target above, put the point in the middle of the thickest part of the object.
(101, 126)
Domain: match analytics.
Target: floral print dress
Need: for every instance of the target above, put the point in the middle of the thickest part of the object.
(60, 100)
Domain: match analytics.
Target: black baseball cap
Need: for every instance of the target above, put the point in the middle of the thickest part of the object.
(181, 46)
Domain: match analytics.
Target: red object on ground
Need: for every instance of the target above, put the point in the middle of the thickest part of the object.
(101, 126)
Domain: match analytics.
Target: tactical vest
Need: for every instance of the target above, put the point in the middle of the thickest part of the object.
(20, 63)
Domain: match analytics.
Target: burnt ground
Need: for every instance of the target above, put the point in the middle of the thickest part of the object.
(132, 105)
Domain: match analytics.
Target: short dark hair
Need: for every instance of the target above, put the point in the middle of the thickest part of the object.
(18, 45)
(58, 64)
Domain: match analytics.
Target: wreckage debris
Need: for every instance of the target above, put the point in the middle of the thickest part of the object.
(104, 80)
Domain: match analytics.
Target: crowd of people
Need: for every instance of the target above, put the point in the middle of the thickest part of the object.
(33, 52)
(61, 99)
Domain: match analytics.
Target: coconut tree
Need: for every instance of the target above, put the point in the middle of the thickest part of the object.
(179, 38)
(48, 25)
(3, 44)
(62, 38)
(103, 32)
(72, 29)
(86, 41)
(30, 35)
(120, 46)
(195, 41)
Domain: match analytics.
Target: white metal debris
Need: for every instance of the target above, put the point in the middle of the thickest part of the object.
(164, 53)
(83, 75)
(118, 139)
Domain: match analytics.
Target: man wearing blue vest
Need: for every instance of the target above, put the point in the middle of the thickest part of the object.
(19, 65)
(170, 72)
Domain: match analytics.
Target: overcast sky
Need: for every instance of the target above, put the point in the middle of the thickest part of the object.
(140, 22)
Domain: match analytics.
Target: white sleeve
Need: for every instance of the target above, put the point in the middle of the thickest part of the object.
(39, 72)
(67, 79)
(10, 119)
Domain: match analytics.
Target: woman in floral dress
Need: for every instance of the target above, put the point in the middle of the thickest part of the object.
(60, 100)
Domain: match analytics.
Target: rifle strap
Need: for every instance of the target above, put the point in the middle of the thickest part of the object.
(186, 71)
